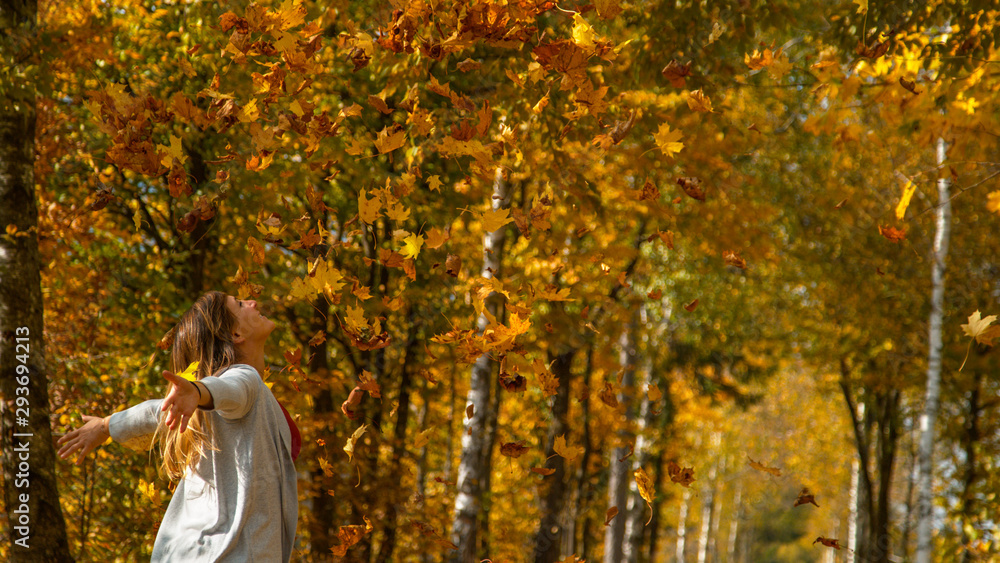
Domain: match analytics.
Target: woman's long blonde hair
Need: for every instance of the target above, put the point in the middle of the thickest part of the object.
(204, 335)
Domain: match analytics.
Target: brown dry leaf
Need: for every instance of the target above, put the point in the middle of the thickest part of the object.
(470, 410)
(468, 65)
(513, 382)
(698, 101)
(513, 450)
(909, 85)
(734, 259)
(692, 187)
(369, 384)
(608, 395)
(828, 542)
(805, 497)
(691, 306)
(761, 467)
(649, 192)
(892, 233)
(379, 104)
(318, 338)
(453, 265)
(350, 535)
(543, 470)
(655, 295)
(646, 490)
(682, 476)
(610, 515)
(676, 73)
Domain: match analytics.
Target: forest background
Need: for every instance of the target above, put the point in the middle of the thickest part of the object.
(622, 280)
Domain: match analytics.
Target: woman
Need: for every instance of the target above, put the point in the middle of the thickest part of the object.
(224, 437)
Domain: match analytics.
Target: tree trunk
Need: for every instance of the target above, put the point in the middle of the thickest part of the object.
(707, 510)
(971, 439)
(471, 473)
(37, 531)
(635, 524)
(324, 506)
(392, 503)
(942, 232)
(734, 523)
(682, 513)
(548, 538)
(618, 482)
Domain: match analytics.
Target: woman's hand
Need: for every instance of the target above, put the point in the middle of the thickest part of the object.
(181, 402)
(350, 406)
(93, 433)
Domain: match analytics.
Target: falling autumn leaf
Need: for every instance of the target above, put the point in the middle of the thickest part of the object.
(904, 200)
(699, 102)
(453, 265)
(677, 73)
(681, 476)
(353, 440)
(390, 138)
(692, 187)
(668, 141)
(493, 219)
(981, 331)
(610, 515)
(761, 467)
(568, 452)
(646, 491)
(691, 306)
(513, 450)
(350, 535)
(828, 542)
(734, 259)
(805, 497)
(909, 85)
(412, 244)
(892, 233)
(543, 470)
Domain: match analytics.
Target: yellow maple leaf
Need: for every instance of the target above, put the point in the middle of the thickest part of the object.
(654, 393)
(368, 208)
(565, 450)
(434, 183)
(390, 139)
(698, 101)
(249, 112)
(148, 489)
(175, 150)
(412, 244)
(583, 34)
(436, 237)
(356, 147)
(607, 9)
(355, 319)
(327, 278)
(667, 140)
(977, 324)
(862, 6)
(190, 373)
(493, 219)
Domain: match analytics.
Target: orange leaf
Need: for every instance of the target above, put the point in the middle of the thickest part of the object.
(543, 470)
(692, 187)
(350, 535)
(892, 233)
(734, 259)
(691, 306)
(761, 467)
(610, 515)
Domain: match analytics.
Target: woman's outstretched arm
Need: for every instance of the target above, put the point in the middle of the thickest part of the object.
(84, 439)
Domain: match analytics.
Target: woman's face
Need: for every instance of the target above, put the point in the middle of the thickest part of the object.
(250, 324)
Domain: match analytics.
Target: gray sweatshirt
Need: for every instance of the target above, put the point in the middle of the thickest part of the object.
(242, 502)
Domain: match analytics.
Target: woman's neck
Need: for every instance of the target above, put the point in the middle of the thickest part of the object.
(253, 358)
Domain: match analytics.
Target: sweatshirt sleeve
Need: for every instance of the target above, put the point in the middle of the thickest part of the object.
(135, 422)
(233, 392)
